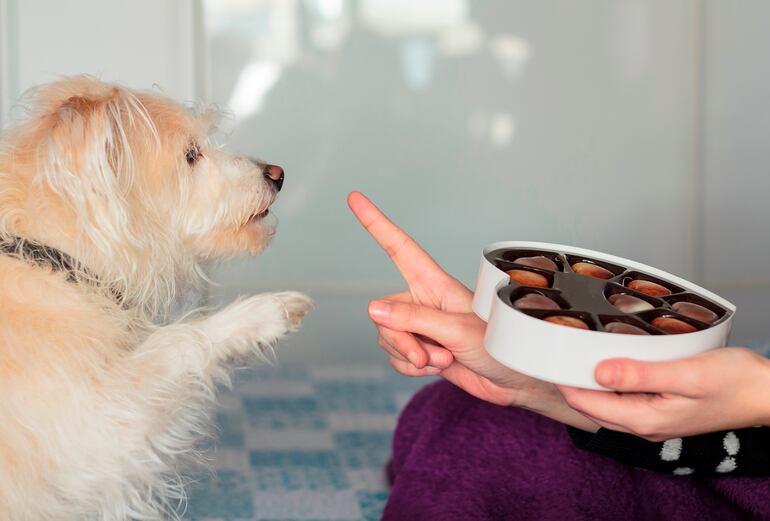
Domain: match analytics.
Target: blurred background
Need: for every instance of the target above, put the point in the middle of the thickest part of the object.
(635, 127)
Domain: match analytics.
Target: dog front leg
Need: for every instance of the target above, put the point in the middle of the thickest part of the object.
(239, 332)
(169, 383)
(246, 327)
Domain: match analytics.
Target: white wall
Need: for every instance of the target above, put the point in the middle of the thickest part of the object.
(737, 144)
(140, 43)
(736, 160)
(587, 141)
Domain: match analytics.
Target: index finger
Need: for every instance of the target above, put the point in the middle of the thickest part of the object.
(410, 259)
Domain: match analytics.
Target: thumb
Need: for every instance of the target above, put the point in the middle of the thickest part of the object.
(627, 375)
(448, 329)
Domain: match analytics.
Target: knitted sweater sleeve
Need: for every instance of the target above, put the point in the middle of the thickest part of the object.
(740, 452)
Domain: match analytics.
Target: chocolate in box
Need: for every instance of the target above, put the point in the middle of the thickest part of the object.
(525, 330)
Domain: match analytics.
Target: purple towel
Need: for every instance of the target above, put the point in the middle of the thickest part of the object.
(458, 458)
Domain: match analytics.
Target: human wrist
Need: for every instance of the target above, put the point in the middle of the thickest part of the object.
(760, 391)
(537, 396)
(545, 399)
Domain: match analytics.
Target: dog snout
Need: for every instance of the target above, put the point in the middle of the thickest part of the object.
(275, 174)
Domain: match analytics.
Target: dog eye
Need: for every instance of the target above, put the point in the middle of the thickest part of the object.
(192, 154)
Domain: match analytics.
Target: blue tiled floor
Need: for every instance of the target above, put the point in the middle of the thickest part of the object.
(302, 443)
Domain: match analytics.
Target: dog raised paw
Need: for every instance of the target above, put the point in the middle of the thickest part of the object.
(296, 306)
(259, 319)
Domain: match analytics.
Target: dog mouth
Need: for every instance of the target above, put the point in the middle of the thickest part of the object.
(259, 215)
(262, 209)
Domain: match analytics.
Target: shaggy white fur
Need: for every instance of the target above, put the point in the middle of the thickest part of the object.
(103, 399)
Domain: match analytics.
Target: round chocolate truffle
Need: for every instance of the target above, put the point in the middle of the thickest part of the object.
(528, 278)
(695, 311)
(564, 320)
(592, 270)
(673, 326)
(624, 329)
(538, 261)
(535, 301)
(647, 287)
(629, 303)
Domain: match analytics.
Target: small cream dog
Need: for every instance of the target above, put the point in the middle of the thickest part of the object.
(111, 203)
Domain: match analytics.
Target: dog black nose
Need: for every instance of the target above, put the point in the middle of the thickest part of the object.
(275, 174)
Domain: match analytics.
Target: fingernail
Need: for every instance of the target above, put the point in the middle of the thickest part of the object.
(432, 371)
(412, 357)
(379, 309)
(441, 359)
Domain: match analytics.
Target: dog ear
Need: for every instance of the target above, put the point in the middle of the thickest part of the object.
(89, 146)
(87, 134)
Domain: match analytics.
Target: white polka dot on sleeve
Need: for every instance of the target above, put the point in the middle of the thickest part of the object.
(732, 445)
(671, 449)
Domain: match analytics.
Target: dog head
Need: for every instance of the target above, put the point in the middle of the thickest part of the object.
(130, 185)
